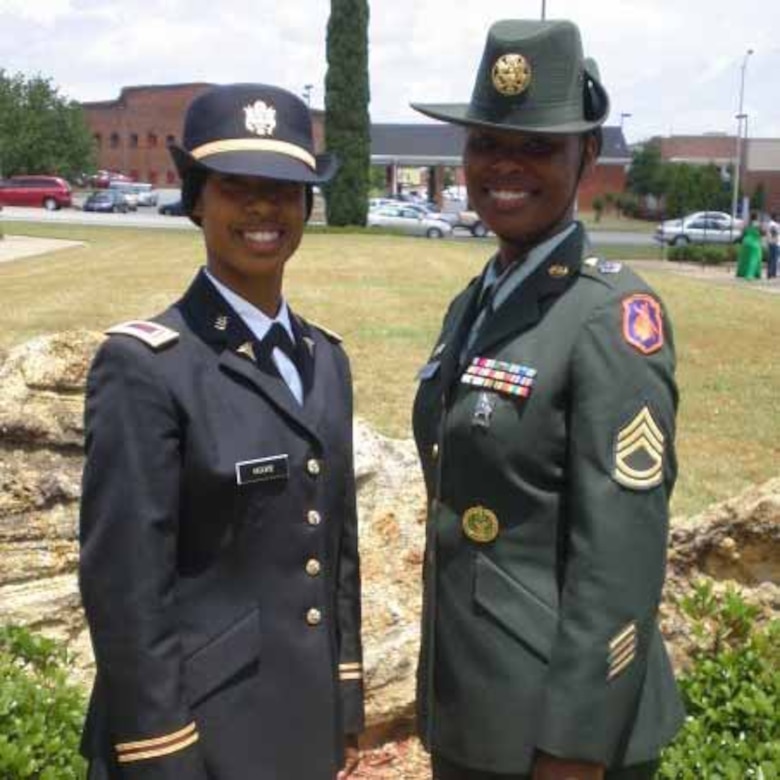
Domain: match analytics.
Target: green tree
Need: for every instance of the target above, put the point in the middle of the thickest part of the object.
(647, 174)
(347, 122)
(758, 198)
(40, 130)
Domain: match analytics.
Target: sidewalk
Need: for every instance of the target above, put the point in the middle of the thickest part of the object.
(15, 247)
(717, 274)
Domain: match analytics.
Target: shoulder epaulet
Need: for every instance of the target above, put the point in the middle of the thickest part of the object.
(152, 334)
(331, 334)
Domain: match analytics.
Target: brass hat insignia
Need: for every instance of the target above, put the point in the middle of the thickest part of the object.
(558, 271)
(511, 74)
(260, 118)
(221, 322)
(480, 524)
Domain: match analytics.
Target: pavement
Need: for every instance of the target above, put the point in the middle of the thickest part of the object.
(16, 247)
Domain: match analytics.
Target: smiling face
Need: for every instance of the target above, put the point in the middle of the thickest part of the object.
(251, 226)
(523, 185)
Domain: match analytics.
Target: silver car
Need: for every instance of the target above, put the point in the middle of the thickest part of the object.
(409, 220)
(702, 227)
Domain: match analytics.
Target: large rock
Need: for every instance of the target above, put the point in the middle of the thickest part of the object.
(41, 440)
(41, 436)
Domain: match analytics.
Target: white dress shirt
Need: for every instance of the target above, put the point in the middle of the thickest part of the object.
(260, 323)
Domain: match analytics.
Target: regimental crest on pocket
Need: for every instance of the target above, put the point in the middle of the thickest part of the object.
(639, 453)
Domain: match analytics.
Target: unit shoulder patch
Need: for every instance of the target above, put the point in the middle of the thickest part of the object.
(643, 323)
(152, 334)
(639, 453)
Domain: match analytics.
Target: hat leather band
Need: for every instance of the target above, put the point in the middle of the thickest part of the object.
(255, 145)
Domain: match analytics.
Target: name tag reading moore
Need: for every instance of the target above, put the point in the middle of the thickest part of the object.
(262, 469)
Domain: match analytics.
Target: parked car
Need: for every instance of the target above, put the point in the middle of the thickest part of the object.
(107, 201)
(173, 209)
(51, 192)
(431, 211)
(701, 227)
(139, 193)
(103, 178)
(472, 222)
(409, 220)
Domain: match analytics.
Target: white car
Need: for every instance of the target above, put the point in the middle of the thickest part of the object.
(409, 220)
(702, 227)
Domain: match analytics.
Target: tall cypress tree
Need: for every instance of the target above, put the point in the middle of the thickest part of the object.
(347, 122)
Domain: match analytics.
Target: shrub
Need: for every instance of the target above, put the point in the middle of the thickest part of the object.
(706, 254)
(731, 694)
(40, 712)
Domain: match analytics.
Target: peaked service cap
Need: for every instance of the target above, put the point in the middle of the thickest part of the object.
(251, 130)
(533, 77)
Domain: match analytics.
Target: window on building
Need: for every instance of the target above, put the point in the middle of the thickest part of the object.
(134, 174)
(98, 139)
(170, 177)
(114, 140)
(153, 177)
(170, 140)
(133, 140)
(151, 140)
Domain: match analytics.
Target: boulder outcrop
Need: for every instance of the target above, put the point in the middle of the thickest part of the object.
(733, 543)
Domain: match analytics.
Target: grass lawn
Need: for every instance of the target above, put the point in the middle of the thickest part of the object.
(386, 295)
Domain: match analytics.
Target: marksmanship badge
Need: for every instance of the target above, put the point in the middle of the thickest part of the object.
(260, 118)
(511, 74)
(480, 524)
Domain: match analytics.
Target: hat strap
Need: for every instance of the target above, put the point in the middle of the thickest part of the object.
(255, 145)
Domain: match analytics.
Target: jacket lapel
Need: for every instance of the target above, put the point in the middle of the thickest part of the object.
(527, 304)
(463, 319)
(216, 323)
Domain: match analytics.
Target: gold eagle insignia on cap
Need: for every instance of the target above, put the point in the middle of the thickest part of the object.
(639, 453)
(260, 118)
(511, 74)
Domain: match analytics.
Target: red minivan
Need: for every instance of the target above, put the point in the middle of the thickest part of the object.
(51, 192)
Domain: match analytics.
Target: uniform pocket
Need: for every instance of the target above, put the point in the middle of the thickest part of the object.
(517, 609)
(222, 658)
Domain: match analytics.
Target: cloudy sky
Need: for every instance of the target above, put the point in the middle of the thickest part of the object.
(673, 65)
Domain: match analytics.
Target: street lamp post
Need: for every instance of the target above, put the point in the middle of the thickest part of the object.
(738, 159)
(544, 10)
(307, 88)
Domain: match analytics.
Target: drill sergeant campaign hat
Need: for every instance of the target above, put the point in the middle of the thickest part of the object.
(533, 78)
(249, 130)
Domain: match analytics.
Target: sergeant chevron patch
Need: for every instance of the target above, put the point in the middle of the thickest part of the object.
(639, 453)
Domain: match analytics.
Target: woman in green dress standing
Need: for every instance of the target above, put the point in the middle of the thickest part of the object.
(750, 251)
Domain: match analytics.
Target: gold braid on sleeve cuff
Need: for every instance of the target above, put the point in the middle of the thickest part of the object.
(351, 671)
(143, 749)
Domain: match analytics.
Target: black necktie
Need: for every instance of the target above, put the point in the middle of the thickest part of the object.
(278, 338)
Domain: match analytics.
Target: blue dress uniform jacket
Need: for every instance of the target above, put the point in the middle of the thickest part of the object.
(219, 563)
(548, 458)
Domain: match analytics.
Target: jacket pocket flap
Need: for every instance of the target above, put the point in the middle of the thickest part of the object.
(222, 657)
(517, 609)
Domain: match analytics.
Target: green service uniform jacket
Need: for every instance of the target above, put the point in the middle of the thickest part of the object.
(219, 558)
(549, 461)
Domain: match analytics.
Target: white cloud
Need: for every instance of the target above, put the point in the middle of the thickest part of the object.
(671, 64)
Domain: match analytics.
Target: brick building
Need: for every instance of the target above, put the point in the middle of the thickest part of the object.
(132, 134)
